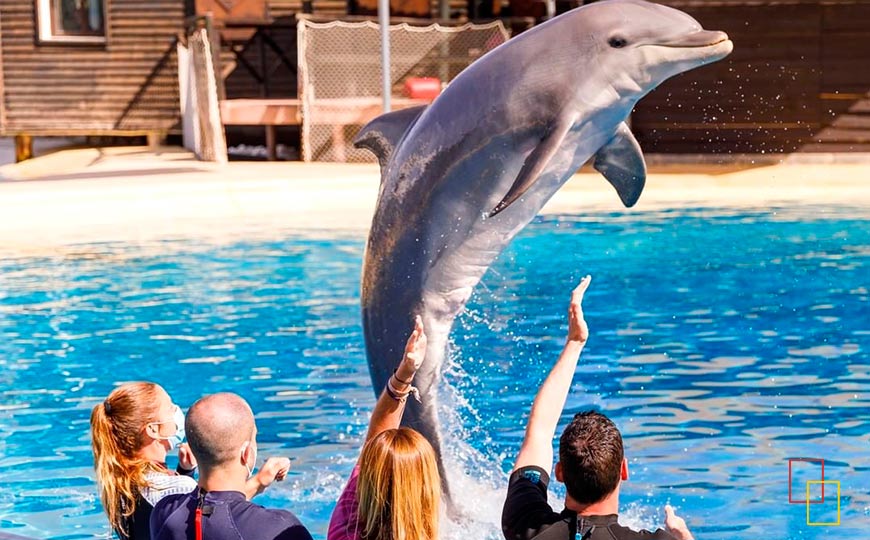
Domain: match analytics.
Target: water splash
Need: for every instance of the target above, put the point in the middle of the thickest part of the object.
(478, 484)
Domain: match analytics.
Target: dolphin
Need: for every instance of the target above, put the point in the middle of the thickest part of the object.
(463, 175)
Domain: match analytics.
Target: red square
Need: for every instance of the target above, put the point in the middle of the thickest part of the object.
(812, 460)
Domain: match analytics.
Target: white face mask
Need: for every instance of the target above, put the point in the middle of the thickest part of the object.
(254, 464)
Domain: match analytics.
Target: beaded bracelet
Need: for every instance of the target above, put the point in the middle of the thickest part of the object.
(400, 395)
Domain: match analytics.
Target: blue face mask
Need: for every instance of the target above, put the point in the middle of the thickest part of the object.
(176, 438)
(178, 418)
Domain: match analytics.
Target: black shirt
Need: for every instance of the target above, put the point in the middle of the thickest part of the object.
(527, 515)
(159, 485)
(227, 515)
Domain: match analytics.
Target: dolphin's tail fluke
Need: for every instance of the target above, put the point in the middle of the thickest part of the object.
(383, 134)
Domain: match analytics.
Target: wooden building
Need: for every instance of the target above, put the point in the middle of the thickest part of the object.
(109, 67)
(89, 67)
(797, 81)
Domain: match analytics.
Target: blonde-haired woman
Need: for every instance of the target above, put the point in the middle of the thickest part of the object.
(131, 433)
(394, 492)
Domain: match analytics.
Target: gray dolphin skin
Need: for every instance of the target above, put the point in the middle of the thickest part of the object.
(461, 177)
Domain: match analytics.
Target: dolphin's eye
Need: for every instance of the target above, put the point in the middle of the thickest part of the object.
(617, 42)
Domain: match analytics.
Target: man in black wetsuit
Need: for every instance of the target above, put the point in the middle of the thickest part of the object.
(591, 463)
(222, 435)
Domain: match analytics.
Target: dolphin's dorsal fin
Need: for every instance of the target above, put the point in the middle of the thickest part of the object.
(382, 134)
(535, 163)
(621, 162)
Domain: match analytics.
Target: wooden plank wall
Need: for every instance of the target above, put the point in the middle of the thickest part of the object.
(326, 8)
(129, 84)
(845, 79)
(338, 8)
(797, 81)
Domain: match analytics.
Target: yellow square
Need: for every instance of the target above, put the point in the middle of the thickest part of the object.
(813, 523)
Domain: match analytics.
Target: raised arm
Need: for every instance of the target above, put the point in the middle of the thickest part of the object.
(274, 469)
(391, 405)
(537, 448)
(676, 525)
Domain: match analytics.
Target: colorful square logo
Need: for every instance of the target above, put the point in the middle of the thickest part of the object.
(823, 514)
(806, 476)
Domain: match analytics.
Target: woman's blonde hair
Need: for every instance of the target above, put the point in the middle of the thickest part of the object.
(117, 435)
(399, 488)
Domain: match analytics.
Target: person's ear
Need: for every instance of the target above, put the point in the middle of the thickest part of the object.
(623, 473)
(152, 430)
(558, 472)
(245, 454)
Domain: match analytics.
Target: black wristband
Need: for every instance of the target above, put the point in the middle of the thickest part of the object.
(185, 472)
(400, 380)
(393, 394)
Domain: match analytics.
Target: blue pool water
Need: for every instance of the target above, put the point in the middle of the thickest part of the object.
(723, 343)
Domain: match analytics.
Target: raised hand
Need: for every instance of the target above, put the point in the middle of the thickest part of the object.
(415, 352)
(577, 329)
(676, 525)
(390, 406)
(275, 468)
(186, 459)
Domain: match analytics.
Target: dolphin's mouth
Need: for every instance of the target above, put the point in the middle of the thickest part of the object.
(701, 38)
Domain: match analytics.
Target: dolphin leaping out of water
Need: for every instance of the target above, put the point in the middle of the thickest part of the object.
(462, 176)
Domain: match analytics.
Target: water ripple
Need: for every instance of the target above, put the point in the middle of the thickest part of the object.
(723, 344)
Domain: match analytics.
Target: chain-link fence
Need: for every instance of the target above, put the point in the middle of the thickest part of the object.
(340, 75)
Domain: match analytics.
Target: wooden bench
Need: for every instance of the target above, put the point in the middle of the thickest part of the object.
(352, 111)
(337, 112)
(262, 112)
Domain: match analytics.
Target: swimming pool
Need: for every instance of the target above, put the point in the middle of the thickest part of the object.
(723, 343)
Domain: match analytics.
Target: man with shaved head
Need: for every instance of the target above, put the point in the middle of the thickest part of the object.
(223, 437)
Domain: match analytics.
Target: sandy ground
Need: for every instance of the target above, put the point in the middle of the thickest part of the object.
(53, 202)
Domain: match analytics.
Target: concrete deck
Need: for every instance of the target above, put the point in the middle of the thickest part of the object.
(53, 202)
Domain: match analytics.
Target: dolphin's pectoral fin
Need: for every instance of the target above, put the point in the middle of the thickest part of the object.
(382, 134)
(621, 162)
(535, 164)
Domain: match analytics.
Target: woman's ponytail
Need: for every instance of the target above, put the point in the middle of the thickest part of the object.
(116, 437)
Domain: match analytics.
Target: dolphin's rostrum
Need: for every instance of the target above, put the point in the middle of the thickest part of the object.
(461, 177)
